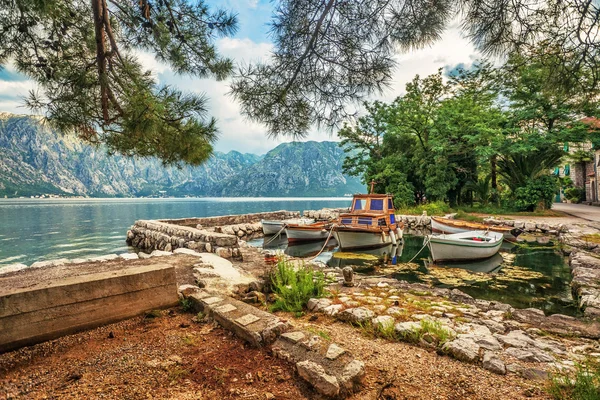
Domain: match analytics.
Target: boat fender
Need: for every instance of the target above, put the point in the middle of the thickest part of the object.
(399, 233)
(393, 236)
(383, 238)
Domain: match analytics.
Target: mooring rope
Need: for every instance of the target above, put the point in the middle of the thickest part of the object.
(325, 245)
(275, 236)
(425, 243)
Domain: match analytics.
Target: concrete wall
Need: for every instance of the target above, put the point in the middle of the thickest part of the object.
(48, 310)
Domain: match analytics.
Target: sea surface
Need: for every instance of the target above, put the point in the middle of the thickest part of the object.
(44, 229)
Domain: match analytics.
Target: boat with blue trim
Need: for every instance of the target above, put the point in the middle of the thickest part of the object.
(371, 223)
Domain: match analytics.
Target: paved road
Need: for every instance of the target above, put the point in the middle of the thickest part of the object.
(590, 213)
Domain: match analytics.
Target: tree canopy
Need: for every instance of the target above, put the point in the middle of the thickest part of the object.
(453, 139)
(328, 56)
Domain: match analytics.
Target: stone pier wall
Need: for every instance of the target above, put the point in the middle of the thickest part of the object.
(218, 235)
(220, 221)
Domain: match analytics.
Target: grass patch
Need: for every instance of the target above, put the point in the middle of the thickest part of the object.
(186, 304)
(152, 314)
(429, 331)
(582, 384)
(320, 333)
(434, 208)
(460, 214)
(294, 287)
(178, 373)
(592, 237)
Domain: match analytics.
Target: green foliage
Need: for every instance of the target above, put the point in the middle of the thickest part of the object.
(583, 384)
(82, 55)
(428, 330)
(575, 194)
(186, 304)
(537, 193)
(294, 287)
(433, 208)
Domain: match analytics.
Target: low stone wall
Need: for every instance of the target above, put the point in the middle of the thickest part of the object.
(585, 269)
(50, 309)
(211, 222)
(158, 235)
(421, 224)
(325, 213)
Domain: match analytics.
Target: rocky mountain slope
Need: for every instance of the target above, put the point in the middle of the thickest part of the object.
(35, 160)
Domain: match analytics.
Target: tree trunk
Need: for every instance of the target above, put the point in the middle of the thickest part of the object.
(494, 172)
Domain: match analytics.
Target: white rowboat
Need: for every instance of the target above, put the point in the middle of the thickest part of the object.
(472, 245)
(307, 233)
(447, 225)
(273, 227)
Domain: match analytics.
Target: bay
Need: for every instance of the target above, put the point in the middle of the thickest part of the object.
(43, 229)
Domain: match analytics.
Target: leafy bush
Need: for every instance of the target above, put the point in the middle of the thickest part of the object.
(574, 194)
(537, 193)
(433, 208)
(294, 287)
(583, 384)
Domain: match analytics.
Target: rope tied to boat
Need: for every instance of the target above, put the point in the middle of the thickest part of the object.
(333, 226)
(425, 243)
(275, 236)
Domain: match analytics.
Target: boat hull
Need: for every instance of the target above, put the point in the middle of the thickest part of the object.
(356, 239)
(454, 247)
(308, 233)
(440, 226)
(274, 227)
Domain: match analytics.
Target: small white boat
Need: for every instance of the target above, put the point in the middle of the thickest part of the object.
(472, 245)
(274, 227)
(447, 225)
(307, 233)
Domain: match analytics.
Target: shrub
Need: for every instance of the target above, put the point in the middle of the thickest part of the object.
(536, 193)
(574, 194)
(433, 208)
(583, 384)
(294, 287)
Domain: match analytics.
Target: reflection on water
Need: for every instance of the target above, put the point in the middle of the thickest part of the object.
(523, 275)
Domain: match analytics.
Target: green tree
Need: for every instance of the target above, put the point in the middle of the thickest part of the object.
(82, 56)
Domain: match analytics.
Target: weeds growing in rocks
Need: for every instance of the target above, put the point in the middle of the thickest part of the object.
(583, 384)
(428, 330)
(186, 305)
(294, 287)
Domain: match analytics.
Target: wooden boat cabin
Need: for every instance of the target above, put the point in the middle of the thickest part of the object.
(371, 212)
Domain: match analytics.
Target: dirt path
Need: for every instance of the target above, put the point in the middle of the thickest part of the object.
(172, 357)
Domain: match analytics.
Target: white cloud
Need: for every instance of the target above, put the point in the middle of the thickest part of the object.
(237, 133)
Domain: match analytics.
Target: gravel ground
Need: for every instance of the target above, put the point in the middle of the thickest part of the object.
(172, 357)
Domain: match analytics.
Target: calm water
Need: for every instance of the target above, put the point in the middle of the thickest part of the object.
(523, 275)
(33, 230)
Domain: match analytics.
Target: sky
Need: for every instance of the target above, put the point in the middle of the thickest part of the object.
(252, 43)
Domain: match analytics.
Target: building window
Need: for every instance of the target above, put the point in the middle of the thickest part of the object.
(567, 170)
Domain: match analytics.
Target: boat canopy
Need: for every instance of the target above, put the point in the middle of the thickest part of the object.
(372, 204)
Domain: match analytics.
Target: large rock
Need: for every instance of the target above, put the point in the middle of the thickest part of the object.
(317, 305)
(315, 375)
(492, 363)
(516, 339)
(529, 355)
(356, 315)
(463, 349)
(352, 374)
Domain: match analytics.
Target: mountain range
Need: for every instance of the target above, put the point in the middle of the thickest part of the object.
(35, 160)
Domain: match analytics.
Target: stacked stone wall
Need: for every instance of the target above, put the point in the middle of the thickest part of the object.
(211, 222)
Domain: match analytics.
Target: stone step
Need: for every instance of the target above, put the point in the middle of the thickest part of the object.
(257, 327)
(330, 369)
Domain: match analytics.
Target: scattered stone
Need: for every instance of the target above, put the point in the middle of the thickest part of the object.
(407, 328)
(492, 363)
(316, 305)
(530, 355)
(226, 308)
(383, 321)
(348, 273)
(333, 309)
(160, 253)
(515, 339)
(334, 351)
(352, 374)
(463, 349)
(293, 337)
(313, 342)
(356, 315)
(129, 256)
(534, 374)
(315, 375)
(461, 297)
(212, 300)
